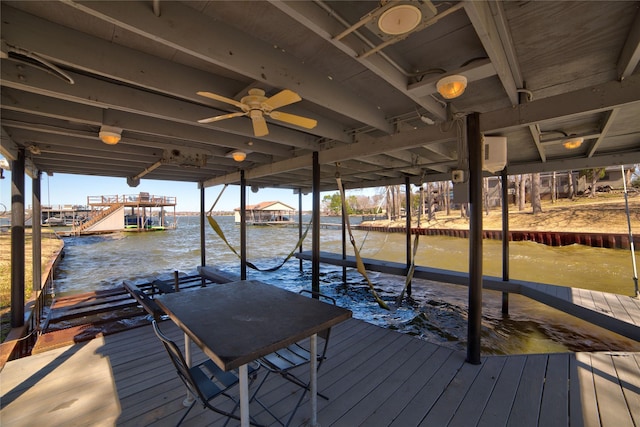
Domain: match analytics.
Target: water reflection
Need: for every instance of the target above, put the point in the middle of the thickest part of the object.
(437, 311)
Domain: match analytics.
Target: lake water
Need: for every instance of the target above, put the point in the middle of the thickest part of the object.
(438, 311)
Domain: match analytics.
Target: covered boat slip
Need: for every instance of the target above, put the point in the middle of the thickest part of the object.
(617, 313)
(373, 377)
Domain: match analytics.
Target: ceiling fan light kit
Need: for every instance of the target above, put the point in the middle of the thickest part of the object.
(110, 135)
(451, 87)
(256, 105)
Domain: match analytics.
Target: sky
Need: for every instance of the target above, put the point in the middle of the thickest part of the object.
(67, 189)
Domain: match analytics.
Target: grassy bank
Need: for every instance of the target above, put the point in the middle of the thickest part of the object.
(50, 246)
(583, 214)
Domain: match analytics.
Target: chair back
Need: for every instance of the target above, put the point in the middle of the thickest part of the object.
(324, 334)
(179, 362)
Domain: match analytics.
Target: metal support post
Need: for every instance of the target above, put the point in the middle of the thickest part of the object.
(17, 240)
(243, 226)
(315, 232)
(505, 238)
(474, 142)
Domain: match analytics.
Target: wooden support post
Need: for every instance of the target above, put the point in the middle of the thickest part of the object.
(474, 142)
(203, 254)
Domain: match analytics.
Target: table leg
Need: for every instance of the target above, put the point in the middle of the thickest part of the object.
(187, 356)
(244, 396)
(313, 344)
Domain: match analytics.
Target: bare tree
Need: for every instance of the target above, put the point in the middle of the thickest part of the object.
(523, 192)
(535, 193)
(485, 194)
(572, 189)
(446, 199)
(593, 175)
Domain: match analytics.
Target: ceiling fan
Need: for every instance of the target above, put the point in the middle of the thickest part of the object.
(256, 105)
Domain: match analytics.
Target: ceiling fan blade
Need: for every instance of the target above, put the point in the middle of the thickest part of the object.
(281, 99)
(293, 119)
(259, 125)
(221, 99)
(222, 117)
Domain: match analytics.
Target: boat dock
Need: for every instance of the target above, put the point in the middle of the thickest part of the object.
(373, 377)
(82, 317)
(617, 313)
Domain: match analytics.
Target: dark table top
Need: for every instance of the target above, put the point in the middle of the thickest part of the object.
(238, 322)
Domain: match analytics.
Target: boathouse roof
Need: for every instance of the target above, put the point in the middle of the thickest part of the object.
(268, 206)
(537, 72)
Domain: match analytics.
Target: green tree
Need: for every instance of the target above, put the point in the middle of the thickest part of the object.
(332, 204)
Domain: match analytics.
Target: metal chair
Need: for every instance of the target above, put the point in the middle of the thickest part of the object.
(288, 359)
(205, 381)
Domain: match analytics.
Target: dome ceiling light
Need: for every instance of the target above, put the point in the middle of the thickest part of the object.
(451, 87)
(393, 21)
(399, 19)
(110, 135)
(238, 155)
(572, 142)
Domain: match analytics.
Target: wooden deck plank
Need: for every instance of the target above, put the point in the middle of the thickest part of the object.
(388, 388)
(632, 306)
(345, 359)
(360, 367)
(564, 293)
(583, 400)
(384, 414)
(576, 297)
(51, 386)
(386, 366)
(619, 311)
(422, 402)
(612, 406)
(587, 300)
(497, 410)
(474, 401)
(627, 370)
(374, 376)
(529, 394)
(555, 396)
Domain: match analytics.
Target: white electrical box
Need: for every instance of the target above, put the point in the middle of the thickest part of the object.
(457, 176)
(494, 153)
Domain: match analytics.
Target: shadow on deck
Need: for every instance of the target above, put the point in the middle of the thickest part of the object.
(373, 376)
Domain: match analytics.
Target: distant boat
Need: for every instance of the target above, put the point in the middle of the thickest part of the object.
(54, 220)
(137, 222)
(267, 213)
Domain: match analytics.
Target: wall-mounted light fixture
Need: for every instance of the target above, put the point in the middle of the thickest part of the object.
(572, 142)
(238, 155)
(110, 135)
(451, 86)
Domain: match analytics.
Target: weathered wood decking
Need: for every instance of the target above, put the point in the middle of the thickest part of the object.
(373, 376)
(617, 313)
